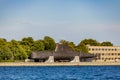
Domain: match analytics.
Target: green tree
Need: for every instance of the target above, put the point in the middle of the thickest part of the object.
(64, 42)
(27, 41)
(38, 45)
(18, 52)
(27, 49)
(90, 42)
(5, 52)
(70, 44)
(107, 43)
(82, 48)
(49, 43)
(27, 44)
(3, 42)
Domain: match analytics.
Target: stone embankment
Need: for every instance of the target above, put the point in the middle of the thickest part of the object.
(60, 64)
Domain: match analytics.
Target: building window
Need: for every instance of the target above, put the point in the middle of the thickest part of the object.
(102, 53)
(96, 49)
(112, 49)
(108, 49)
(105, 49)
(102, 49)
(99, 49)
(89, 49)
(102, 58)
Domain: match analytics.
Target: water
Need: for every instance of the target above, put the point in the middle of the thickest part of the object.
(61, 73)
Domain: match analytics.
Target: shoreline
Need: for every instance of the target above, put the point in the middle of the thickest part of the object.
(60, 64)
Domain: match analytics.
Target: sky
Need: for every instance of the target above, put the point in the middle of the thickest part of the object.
(72, 20)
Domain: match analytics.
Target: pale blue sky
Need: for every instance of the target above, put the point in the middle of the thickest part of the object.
(72, 20)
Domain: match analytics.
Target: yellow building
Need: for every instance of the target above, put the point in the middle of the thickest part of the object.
(105, 53)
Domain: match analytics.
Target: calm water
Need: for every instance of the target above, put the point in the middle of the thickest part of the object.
(61, 73)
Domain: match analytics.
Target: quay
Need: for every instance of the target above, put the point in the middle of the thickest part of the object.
(60, 64)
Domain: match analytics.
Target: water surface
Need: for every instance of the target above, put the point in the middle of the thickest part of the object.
(61, 73)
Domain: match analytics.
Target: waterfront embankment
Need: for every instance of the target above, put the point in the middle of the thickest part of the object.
(60, 64)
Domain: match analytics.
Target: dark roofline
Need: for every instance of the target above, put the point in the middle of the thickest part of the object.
(61, 51)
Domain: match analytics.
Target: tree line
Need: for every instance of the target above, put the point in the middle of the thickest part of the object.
(20, 50)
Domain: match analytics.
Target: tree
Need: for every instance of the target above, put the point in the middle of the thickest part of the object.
(27, 49)
(17, 50)
(49, 43)
(82, 48)
(27, 44)
(27, 41)
(70, 44)
(107, 43)
(38, 45)
(5, 52)
(64, 42)
(90, 42)
(3, 42)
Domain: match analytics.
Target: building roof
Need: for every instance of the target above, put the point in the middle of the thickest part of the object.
(61, 52)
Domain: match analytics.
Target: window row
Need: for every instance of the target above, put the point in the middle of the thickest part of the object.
(106, 54)
(108, 58)
(101, 49)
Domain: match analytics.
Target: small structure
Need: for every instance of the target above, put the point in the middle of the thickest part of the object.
(62, 53)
